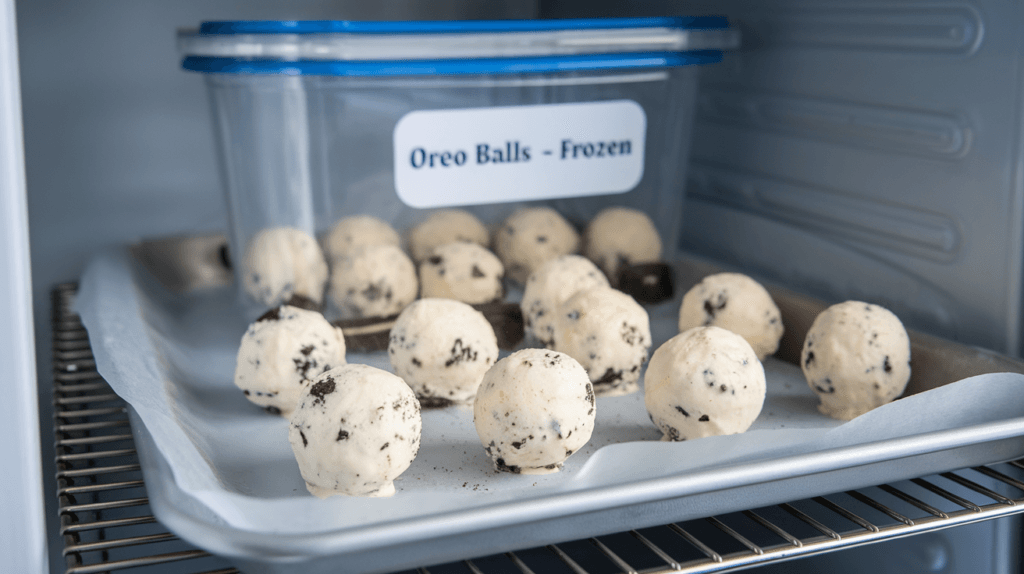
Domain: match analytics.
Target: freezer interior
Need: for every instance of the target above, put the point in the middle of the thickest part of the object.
(846, 151)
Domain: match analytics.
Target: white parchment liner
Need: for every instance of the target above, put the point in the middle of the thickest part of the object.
(172, 358)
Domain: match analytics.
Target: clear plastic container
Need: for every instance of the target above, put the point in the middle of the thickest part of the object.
(320, 120)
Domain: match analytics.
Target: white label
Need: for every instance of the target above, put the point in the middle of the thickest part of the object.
(519, 153)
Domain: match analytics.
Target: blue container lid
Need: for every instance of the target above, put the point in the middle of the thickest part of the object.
(228, 27)
(346, 48)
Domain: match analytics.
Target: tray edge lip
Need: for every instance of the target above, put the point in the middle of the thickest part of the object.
(354, 539)
(277, 547)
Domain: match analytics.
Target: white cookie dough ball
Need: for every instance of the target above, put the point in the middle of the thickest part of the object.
(462, 271)
(281, 352)
(531, 236)
(442, 348)
(355, 430)
(281, 262)
(550, 286)
(351, 233)
(620, 236)
(534, 409)
(443, 227)
(856, 357)
(609, 333)
(735, 302)
(373, 281)
(704, 382)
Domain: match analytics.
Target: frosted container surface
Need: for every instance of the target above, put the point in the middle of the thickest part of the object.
(589, 114)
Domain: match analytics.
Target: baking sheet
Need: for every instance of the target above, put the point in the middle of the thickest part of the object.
(171, 356)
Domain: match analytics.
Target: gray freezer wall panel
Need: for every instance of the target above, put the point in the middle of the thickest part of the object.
(865, 150)
(118, 140)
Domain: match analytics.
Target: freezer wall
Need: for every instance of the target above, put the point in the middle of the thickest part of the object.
(118, 140)
(855, 150)
(864, 150)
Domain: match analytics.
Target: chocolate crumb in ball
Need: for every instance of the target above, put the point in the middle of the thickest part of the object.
(703, 382)
(442, 348)
(462, 271)
(373, 281)
(354, 431)
(353, 232)
(619, 236)
(531, 236)
(609, 334)
(856, 357)
(281, 352)
(534, 409)
(735, 302)
(281, 262)
(552, 284)
(443, 227)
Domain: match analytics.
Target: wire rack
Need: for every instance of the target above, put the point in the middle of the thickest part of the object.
(107, 526)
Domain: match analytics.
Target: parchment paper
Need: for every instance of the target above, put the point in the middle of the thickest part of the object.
(172, 358)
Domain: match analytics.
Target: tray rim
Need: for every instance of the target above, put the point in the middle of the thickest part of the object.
(278, 547)
(269, 547)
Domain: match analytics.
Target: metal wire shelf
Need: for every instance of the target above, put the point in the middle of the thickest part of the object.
(106, 524)
(103, 510)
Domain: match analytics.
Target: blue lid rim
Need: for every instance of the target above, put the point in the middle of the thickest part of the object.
(447, 67)
(231, 27)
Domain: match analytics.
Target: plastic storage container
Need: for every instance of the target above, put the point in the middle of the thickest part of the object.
(317, 120)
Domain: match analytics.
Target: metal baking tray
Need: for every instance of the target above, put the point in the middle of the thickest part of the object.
(632, 481)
